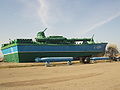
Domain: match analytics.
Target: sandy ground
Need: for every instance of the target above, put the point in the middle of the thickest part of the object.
(98, 76)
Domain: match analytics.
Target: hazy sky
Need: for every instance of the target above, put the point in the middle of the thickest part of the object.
(70, 18)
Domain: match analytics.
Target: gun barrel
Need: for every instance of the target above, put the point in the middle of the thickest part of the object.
(45, 29)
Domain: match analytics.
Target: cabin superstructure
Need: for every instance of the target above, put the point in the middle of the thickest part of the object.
(41, 38)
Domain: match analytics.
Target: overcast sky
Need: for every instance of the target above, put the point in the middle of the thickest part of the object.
(70, 18)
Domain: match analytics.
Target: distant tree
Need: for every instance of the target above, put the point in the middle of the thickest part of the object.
(112, 50)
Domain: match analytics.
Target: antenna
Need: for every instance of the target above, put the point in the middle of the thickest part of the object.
(93, 36)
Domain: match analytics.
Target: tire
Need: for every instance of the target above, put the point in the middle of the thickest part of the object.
(86, 60)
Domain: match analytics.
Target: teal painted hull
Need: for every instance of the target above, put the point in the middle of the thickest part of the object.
(28, 53)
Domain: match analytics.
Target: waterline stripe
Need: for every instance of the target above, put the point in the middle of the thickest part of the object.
(10, 53)
(56, 52)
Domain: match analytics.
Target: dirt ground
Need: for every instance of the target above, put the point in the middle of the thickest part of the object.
(98, 76)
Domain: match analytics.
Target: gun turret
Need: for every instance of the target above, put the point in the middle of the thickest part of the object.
(41, 34)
